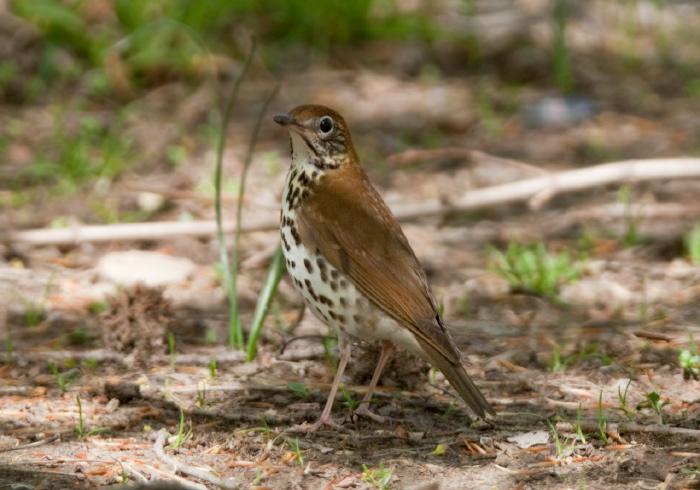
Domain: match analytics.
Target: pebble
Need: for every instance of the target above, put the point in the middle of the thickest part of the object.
(150, 268)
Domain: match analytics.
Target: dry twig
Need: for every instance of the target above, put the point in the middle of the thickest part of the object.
(228, 483)
(536, 190)
(48, 440)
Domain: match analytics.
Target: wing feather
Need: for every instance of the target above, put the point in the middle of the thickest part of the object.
(365, 242)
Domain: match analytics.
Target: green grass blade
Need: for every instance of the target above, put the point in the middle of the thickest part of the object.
(230, 268)
(274, 275)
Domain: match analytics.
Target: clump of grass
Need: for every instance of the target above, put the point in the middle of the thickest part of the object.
(93, 153)
(63, 379)
(182, 435)
(296, 449)
(379, 477)
(622, 396)
(80, 430)
(530, 267)
(563, 448)
(559, 362)
(689, 360)
(653, 402)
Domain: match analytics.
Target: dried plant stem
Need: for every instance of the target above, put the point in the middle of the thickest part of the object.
(230, 268)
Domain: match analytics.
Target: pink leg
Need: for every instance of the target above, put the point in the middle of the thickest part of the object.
(326, 418)
(363, 409)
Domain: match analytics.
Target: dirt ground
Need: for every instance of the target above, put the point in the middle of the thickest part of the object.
(91, 378)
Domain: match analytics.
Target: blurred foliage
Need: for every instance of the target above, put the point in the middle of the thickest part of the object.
(147, 40)
(126, 44)
(89, 55)
(76, 153)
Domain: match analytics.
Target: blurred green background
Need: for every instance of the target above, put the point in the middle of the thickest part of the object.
(90, 68)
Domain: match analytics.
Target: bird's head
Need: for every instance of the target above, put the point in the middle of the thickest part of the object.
(318, 135)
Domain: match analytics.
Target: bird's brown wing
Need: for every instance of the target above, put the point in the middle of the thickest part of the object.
(363, 240)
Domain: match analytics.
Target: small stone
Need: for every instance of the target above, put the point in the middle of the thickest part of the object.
(150, 268)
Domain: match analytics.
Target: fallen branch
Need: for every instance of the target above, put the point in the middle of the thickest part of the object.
(228, 483)
(536, 190)
(678, 433)
(128, 231)
(48, 440)
(630, 171)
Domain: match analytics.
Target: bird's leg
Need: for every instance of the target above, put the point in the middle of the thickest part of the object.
(363, 409)
(326, 418)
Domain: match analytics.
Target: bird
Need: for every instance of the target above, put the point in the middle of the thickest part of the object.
(351, 262)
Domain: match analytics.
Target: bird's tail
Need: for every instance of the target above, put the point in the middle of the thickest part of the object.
(459, 379)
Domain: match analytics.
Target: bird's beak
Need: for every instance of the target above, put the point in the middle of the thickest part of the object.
(289, 123)
(284, 119)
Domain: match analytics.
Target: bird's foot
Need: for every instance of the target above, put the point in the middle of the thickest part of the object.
(363, 409)
(320, 423)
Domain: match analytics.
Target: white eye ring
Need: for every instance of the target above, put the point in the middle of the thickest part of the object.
(326, 124)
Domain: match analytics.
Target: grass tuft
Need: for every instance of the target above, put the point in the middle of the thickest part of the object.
(532, 268)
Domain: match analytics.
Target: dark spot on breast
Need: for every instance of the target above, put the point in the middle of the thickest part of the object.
(357, 318)
(292, 196)
(289, 199)
(296, 236)
(321, 262)
(343, 283)
(298, 283)
(293, 174)
(309, 267)
(332, 314)
(334, 286)
(325, 300)
(325, 318)
(343, 302)
(305, 195)
(341, 318)
(335, 274)
(284, 242)
(342, 328)
(310, 289)
(294, 264)
(304, 179)
(314, 174)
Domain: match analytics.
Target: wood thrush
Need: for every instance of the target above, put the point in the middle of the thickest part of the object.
(351, 262)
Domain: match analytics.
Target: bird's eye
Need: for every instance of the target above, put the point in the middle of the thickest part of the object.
(326, 124)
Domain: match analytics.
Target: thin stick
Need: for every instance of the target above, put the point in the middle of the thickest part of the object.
(522, 190)
(48, 440)
(231, 273)
(678, 433)
(630, 171)
(130, 231)
(228, 483)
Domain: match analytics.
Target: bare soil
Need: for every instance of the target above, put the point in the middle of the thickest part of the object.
(546, 366)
